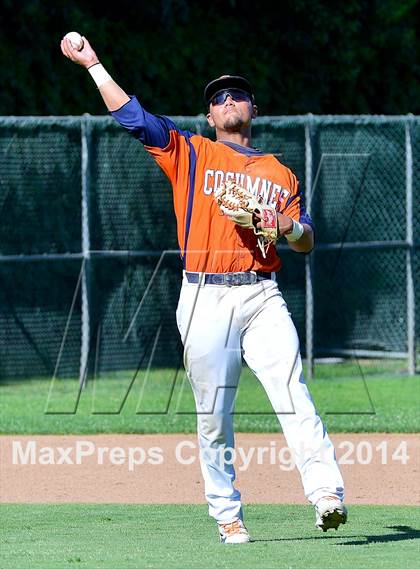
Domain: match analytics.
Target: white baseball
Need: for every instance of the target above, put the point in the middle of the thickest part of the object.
(75, 40)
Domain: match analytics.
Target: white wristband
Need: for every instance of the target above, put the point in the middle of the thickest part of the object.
(296, 232)
(99, 75)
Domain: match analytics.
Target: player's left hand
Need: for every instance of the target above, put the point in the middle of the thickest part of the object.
(284, 223)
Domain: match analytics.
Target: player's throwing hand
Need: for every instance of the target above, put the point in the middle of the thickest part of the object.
(86, 57)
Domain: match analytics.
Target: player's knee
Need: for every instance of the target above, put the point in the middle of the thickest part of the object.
(215, 428)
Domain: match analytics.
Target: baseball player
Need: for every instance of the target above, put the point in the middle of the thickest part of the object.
(230, 305)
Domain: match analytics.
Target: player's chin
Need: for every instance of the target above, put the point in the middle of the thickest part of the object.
(233, 123)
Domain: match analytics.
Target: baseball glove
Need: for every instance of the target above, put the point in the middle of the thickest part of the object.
(242, 206)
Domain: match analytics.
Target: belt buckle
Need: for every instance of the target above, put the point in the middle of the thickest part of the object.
(233, 279)
(238, 279)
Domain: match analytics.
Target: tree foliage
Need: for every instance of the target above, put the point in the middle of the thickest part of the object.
(358, 56)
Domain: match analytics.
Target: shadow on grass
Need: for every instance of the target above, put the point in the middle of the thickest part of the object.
(405, 533)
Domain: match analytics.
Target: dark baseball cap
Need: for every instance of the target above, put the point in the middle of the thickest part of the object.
(227, 82)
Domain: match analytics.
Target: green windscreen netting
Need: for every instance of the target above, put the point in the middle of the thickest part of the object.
(89, 264)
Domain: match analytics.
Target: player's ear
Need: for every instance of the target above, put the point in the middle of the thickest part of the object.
(254, 111)
(210, 120)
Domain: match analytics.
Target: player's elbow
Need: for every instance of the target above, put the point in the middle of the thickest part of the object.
(306, 248)
(309, 235)
(306, 243)
(309, 242)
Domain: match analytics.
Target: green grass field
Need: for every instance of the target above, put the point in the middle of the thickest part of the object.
(178, 537)
(350, 397)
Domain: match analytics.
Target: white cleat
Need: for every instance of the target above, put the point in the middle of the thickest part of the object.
(330, 513)
(233, 532)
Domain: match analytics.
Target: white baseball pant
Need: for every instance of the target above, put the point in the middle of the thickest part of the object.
(218, 325)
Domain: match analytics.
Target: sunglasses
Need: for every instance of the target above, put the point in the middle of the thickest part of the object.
(236, 94)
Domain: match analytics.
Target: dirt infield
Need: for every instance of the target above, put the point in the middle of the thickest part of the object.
(378, 468)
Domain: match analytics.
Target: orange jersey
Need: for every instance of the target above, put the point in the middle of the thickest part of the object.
(195, 165)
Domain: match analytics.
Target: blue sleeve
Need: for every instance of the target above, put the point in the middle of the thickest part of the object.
(151, 130)
(304, 216)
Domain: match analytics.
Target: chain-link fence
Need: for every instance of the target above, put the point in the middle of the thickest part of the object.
(89, 264)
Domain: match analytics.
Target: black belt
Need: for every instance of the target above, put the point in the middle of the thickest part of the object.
(227, 279)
